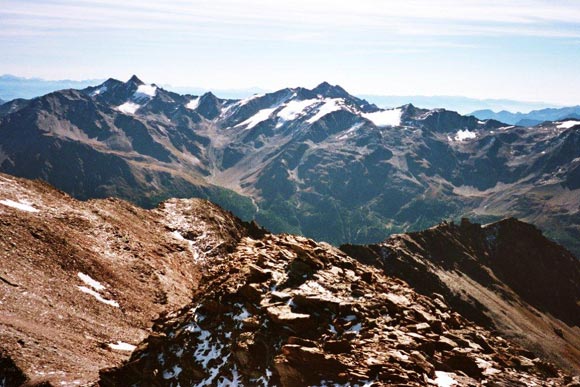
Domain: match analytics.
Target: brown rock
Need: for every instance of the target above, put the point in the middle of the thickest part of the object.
(337, 346)
(462, 362)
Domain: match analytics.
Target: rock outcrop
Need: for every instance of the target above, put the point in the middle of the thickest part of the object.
(505, 276)
(285, 310)
(82, 282)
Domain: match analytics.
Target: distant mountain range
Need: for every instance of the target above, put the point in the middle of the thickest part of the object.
(12, 87)
(463, 105)
(532, 118)
(318, 162)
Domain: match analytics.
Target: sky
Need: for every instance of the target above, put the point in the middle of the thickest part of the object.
(522, 49)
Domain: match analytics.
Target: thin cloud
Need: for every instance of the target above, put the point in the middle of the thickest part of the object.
(414, 17)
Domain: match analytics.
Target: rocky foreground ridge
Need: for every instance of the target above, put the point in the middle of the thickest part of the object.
(505, 276)
(103, 292)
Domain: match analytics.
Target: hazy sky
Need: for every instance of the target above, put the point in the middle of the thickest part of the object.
(522, 49)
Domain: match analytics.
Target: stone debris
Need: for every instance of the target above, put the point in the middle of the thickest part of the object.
(285, 310)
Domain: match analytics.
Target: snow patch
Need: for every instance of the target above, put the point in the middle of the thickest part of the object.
(330, 105)
(244, 314)
(462, 135)
(444, 380)
(100, 90)
(246, 100)
(172, 373)
(294, 109)
(122, 346)
(91, 282)
(355, 328)
(128, 107)
(99, 298)
(391, 117)
(260, 116)
(349, 131)
(19, 205)
(145, 91)
(193, 104)
(568, 124)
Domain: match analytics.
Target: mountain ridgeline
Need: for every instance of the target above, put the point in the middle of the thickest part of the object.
(317, 162)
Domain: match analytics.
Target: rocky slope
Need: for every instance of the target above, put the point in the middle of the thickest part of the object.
(188, 294)
(82, 282)
(288, 311)
(505, 276)
(318, 162)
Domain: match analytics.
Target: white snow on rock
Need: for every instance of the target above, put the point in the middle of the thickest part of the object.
(330, 105)
(122, 346)
(246, 100)
(128, 107)
(355, 328)
(100, 90)
(294, 109)
(19, 205)
(462, 135)
(349, 131)
(391, 117)
(260, 116)
(568, 124)
(99, 298)
(193, 104)
(91, 282)
(444, 380)
(173, 373)
(146, 91)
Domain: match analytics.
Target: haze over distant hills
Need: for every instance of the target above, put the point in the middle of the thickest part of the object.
(532, 118)
(12, 87)
(463, 105)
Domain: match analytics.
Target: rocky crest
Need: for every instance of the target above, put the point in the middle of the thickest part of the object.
(505, 276)
(288, 311)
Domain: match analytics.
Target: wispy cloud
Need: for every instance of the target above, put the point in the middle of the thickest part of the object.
(482, 48)
(306, 18)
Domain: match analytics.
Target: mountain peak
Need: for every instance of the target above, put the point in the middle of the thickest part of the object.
(324, 85)
(134, 79)
(331, 91)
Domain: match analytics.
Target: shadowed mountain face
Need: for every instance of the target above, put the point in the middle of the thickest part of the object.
(186, 293)
(318, 162)
(506, 276)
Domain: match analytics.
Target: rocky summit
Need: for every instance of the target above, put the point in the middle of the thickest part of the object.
(105, 293)
(285, 310)
(318, 162)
